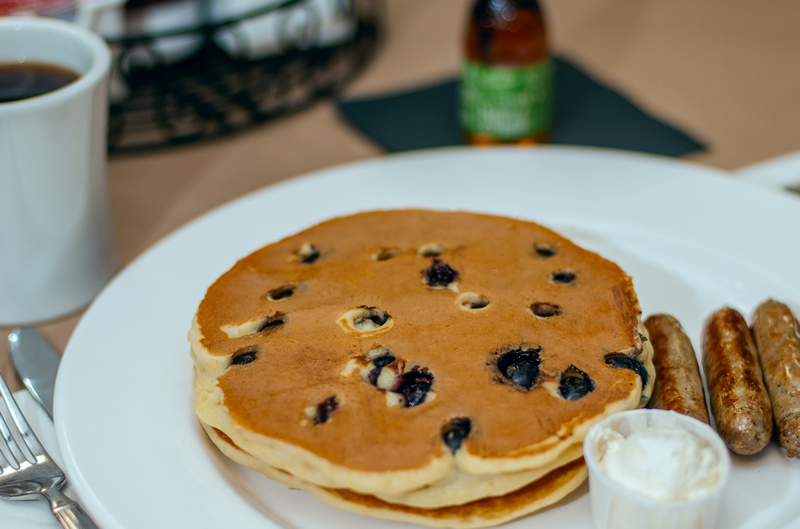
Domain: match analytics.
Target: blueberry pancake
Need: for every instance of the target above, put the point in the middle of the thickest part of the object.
(484, 512)
(419, 361)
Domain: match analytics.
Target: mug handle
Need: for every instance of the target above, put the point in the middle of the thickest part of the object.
(87, 13)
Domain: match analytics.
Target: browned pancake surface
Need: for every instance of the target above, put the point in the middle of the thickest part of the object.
(299, 363)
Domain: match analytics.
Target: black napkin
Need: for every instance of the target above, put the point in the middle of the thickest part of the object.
(585, 112)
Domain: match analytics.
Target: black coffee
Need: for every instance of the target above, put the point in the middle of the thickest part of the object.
(24, 80)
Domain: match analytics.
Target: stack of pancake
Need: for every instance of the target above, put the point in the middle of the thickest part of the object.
(434, 367)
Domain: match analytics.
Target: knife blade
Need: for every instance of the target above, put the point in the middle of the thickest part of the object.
(37, 362)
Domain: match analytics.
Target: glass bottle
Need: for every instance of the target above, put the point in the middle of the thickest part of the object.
(506, 85)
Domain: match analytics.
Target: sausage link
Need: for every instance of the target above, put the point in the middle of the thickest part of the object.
(775, 333)
(738, 398)
(678, 386)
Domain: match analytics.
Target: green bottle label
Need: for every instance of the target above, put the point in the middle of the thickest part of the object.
(507, 103)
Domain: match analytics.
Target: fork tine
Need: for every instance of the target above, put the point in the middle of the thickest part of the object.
(40, 478)
(4, 463)
(28, 437)
(13, 454)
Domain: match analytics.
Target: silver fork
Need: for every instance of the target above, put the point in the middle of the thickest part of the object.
(28, 473)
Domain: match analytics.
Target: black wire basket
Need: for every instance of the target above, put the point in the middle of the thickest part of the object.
(218, 90)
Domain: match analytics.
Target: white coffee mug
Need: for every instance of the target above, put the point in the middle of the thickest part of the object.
(56, 240)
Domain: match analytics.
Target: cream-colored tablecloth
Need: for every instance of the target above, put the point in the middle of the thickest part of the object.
(726, 71)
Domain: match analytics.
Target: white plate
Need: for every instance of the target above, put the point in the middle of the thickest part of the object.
(780, 173)
(692, 239)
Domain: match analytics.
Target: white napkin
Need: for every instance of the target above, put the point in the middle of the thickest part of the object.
(32, 514)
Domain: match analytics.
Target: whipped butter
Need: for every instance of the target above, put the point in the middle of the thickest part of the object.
(663, 464)
(656, 469)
